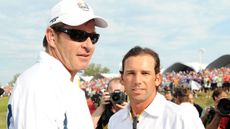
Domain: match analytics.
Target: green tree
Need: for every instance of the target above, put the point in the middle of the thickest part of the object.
(94, 69)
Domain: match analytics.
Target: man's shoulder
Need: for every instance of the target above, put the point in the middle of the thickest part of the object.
(162, 106)
(33, 72)
(35, 76)
(172, 106)
(198, 106)
(120, 115)
(188, 109)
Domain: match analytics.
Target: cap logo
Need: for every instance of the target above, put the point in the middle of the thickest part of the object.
(54, 19)
(82, 5)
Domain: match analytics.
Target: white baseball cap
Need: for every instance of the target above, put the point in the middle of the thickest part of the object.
(75, 13)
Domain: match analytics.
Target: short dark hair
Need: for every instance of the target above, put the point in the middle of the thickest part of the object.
(115, 79)
(54, 26)
(1, 91)
(137, 50)
(182, 94)
(217, 92)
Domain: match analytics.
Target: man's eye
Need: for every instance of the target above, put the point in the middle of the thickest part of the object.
(145, 73)
(129, 73)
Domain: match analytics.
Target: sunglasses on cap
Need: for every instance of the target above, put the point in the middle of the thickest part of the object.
(79, 35)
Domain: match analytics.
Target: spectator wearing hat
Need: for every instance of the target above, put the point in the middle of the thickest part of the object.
(47, 95)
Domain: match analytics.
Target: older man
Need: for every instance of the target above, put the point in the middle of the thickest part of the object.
(47, 95)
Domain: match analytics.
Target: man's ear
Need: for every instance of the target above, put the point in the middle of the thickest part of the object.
(122, 80)
(158, 79)
(50, 37)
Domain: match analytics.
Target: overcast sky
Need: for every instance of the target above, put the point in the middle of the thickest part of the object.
(177, 29)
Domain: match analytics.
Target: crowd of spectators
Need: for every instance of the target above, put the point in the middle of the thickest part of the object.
(95, 88)
(208, 78)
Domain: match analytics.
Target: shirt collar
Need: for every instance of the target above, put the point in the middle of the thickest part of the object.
(54, 64)
(155, 108)
(126, 111)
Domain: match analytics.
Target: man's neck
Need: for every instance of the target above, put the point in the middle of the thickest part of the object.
(138, 108)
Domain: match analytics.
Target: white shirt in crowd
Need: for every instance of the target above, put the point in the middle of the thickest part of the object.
(193, 120)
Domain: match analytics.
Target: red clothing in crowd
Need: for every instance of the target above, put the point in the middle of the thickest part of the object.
(91, 105)
(223, 122)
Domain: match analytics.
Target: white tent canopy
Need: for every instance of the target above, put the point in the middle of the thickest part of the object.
(195, 85)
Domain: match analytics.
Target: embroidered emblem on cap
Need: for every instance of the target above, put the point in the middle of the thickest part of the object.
(53, 20)
(82, 5)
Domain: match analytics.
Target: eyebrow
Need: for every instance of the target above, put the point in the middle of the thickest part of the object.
(147, 71)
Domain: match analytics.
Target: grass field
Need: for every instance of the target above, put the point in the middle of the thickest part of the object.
(3, 108)
(201, 99)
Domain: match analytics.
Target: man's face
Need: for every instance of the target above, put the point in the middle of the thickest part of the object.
(74, 55)
(116, 85)
(221, 96)
(140, 79)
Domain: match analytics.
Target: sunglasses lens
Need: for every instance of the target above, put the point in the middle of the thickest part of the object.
(94, 38)
(78, 36)
(81, 36)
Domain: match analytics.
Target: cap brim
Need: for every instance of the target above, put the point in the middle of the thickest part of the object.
(100, 22)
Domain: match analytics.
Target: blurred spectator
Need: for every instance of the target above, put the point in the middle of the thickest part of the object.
(6, 90)
(168, 94)
(1, 91)
(107, 107)
(182, 98)
(90, 103)
(207, 83)
(197, 106)
(211, 116)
